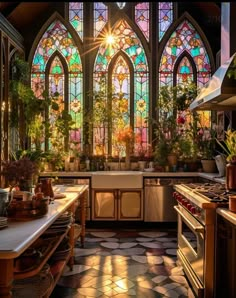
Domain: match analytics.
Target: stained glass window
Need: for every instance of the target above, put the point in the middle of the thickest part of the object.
(184, 39)
(142, 17)
(185, 72)
(56, 80)
(57, 52)
(130, 85)
(165, 17)
(100, 17)
(76, 17)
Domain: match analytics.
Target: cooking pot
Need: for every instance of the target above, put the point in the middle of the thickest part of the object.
(221, 164)
(3, 201)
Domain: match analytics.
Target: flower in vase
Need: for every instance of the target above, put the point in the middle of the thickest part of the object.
(125, 137)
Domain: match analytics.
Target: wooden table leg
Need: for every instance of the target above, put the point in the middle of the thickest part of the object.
(6, 277)
(83, 199)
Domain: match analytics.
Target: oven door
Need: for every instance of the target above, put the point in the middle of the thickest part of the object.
(191, 239)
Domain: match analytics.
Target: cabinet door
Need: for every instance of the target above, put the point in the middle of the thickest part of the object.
(130, 204)
(104, 204)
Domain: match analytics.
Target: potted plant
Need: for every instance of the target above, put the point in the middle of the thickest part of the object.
(19, 171)
(229, 147)
(207, 146)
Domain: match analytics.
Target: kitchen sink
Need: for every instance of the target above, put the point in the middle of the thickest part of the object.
(117, 179)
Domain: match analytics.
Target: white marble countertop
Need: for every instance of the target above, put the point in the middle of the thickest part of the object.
(19, 235)
(228, 215)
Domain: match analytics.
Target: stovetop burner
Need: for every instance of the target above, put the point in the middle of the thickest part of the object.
(214, 192)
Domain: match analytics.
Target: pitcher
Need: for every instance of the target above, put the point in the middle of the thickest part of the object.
(45, 186)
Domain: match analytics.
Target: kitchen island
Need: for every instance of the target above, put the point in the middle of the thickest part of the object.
(18, 236)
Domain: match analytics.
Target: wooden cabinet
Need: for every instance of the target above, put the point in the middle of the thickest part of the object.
(19, 236)
(225, 275)
(117, 204)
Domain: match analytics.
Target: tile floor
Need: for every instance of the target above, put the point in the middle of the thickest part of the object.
(125, 263)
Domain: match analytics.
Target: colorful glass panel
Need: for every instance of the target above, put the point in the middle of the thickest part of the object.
(165, 17)
(58, 39)
(120, 102)
(100, 17)
(185, 72)
(56, 91)
(76, 111)
(76, 17)
(185, 38)
(142, 18)
(126, 40)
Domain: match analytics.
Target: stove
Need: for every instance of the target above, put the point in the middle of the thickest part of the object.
(196, 209)
(196, 196)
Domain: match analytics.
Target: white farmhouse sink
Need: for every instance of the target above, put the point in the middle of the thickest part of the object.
(117, 179)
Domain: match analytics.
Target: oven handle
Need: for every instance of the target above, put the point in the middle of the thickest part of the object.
(198, 229)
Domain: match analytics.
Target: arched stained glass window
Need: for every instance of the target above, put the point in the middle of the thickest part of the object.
(100, 17)
(56, 82)
(185, 72)
(56, 64)
(184, 38)
(134, 80)
(120, 100)
(142, 18)
(165, 17)
(76, 17)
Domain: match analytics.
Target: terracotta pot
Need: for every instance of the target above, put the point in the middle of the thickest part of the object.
(209, 165)
(172, 160)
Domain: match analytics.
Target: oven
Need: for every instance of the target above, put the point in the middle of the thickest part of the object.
(196, 211)
(191, 248)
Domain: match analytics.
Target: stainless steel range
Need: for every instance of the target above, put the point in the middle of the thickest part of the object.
(196, 209)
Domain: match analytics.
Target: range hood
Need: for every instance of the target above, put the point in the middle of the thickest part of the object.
(220, 91)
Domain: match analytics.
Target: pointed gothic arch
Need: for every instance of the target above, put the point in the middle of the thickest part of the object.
(128, 42)
(185, 35)
(186, 55)
(56, 40)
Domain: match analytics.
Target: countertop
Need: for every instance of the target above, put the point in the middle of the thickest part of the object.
(228, 215)
(19, 235)
(211, 176)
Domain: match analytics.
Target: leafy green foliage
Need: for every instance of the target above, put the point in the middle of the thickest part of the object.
(229, 145)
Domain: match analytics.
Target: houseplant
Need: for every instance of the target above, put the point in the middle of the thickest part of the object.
(19, 171)
(229, 148)
(207, 147)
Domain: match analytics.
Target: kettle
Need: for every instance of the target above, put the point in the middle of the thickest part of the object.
(221, 164)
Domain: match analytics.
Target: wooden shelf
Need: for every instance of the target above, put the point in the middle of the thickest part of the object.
(51, 249)
(12, 246)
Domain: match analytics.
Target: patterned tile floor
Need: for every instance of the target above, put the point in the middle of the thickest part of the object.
(125, 263)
